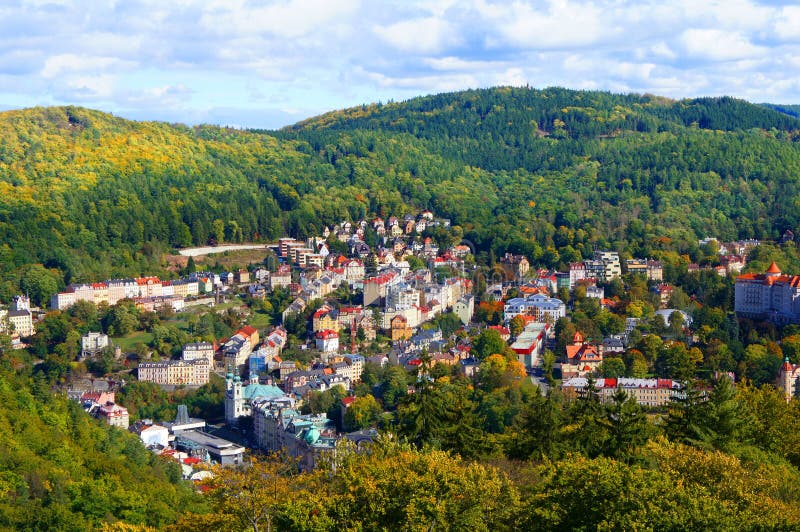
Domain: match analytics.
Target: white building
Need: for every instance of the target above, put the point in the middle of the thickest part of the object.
(194, 372)
(769, 296)
(93, 343)
(198, 350)
(541, 307)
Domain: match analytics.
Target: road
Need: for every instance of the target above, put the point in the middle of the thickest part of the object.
(209, 250)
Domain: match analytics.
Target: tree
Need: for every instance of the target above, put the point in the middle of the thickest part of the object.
(39, 283)
(363, 413)
(251, 494)
(488, 342)
(626, 424)
(612, 367)
(516, 325)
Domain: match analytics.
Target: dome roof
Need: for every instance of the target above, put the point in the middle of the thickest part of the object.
(312, 436)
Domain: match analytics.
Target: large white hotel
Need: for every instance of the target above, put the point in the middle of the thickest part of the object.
(769, 296)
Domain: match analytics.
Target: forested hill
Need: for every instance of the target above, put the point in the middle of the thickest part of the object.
(550, 173)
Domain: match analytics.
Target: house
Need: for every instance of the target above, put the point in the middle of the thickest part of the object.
(113, 414)
(327, 341)
(152, 435)
(581, 358)
(400, 329)
(664, 292)
(464, 308)
(514, 266)
(93, 343)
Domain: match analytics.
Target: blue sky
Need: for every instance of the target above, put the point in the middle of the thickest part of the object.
(259, 63)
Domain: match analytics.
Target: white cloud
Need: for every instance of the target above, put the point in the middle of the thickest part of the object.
(787, 24)
(427, 35)
(68, 64)
(188, 57)
(718, 45)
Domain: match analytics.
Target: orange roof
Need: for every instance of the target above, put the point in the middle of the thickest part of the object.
(773, 268)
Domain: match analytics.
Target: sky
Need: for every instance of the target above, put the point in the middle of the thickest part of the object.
(271, 63)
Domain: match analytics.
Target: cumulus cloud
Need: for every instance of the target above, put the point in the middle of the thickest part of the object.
(273, 60)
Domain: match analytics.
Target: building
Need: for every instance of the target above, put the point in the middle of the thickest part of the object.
(646, 392)
(278, 427)
(93, 343)
(239, 397)
(515, 266)
(327, 341)
(198, 350)
(582, 358)
(17, 323)
(464, 308)
(529, 345)
(770, 296)
(113, 414)
(175, 372)
(541, 307)
(152, 435)
(787, 378)
(210, 448)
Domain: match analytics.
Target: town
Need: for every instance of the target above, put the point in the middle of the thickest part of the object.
(402, 301)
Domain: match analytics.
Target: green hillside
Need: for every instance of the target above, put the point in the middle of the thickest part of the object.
(61, 470)
(551, 173)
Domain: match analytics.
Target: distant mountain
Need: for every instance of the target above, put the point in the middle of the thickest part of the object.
(791, 110)
(551, 173)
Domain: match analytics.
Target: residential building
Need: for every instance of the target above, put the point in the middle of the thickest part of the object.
(539, 306)
(113, 414)
(327, 341)
(198, 350)
(465, 308)
(93, 343)
(646, 392)
(174, 372)
(582, 358)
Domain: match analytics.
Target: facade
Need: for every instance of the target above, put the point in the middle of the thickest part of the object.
(198, 350)
(113, 414)
(278, 427)
(240, 397)
(582, 358)
(529, 345)
(539, 306)
(464, 308)
(768, 296)
(192, 372)
(646, 392)
(93, 343)
(17, 322)
(327, 341)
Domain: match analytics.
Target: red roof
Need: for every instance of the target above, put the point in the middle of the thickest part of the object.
(191, 460)
(349, 400)
(773, 268)
(327, 334)
(248, 330)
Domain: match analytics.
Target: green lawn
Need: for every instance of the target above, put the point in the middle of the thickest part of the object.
(259, 320)
(126, 343)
